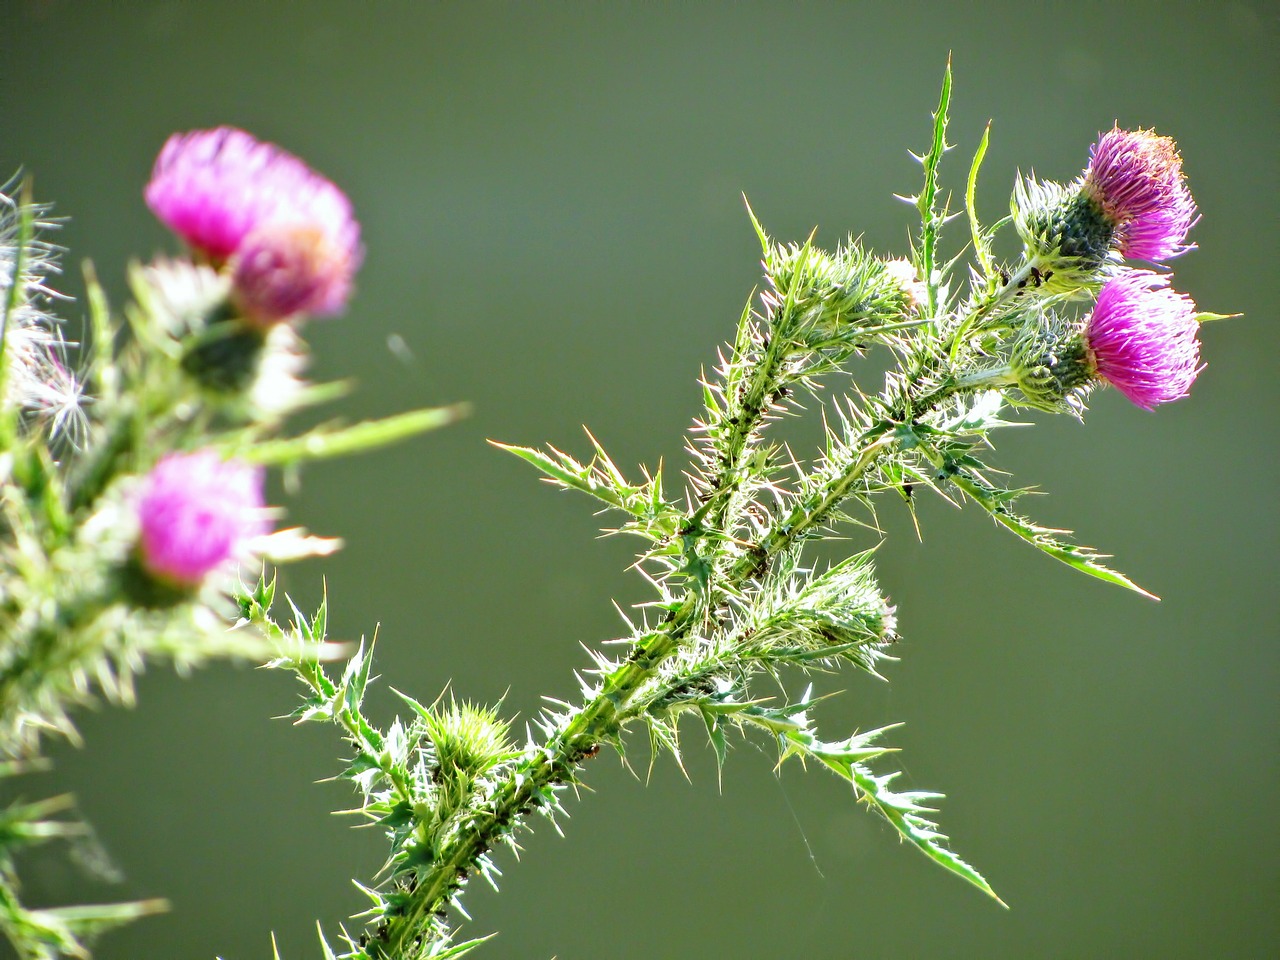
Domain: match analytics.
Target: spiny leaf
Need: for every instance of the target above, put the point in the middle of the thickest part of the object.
(602, 479)
(981, 238)
(1045, 539)
(905, 811)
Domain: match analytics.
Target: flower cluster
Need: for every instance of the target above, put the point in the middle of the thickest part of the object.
(286, 234)
(1142, 337)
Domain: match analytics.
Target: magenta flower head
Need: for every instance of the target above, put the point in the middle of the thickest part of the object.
(287, 269)
(197, 513)
(1142, 338)
(226, 193)
(1136, 177)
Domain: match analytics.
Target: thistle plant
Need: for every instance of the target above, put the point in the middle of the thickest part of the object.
(122, 539)
(132, 483)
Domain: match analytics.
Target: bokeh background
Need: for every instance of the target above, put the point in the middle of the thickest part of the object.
(551, 200)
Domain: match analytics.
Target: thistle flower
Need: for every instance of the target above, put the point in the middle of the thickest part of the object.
(284, 270)
(1131, 201)
(1142, 338)
(1136, 178)
(295, 241)
(197, 513)
(904, 272)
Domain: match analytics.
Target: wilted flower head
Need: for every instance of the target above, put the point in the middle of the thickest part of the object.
(197, 512)
(1143, 338)
(291, 231)
(36, 374)
(1137, 179)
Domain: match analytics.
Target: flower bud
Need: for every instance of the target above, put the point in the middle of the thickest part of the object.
(467, 740)
(835, 295)
(1051, 365)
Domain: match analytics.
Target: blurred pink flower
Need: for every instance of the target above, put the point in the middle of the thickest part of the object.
(197, 513)
(292, 231)
(286, 269)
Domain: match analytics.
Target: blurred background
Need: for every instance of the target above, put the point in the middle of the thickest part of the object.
(551, 202)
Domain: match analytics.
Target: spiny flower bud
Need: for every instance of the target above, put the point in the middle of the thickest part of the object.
(467, 739)
(835, 294)
(197, 513)
(1051, 365)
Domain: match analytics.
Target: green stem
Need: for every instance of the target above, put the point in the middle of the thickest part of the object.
(811, 511)
(600, 720)
(1004, 292)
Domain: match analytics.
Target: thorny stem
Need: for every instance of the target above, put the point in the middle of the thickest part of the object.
(749, 409)
(602, 718)
(47, 644)
(598, 721)
(1006, 291)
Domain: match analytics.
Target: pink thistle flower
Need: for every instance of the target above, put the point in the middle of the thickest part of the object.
(1142, 338)
(217, 189)
(197, 513)
(285, 269)
(1137, 179)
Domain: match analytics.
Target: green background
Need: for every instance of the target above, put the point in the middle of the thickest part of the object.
(550, 196)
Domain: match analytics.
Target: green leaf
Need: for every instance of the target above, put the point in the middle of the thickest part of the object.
(1046, 539)
(905, 810)
(458, 949)
(325, 442)
(931, 219)
(981, 238)
(602, 479)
